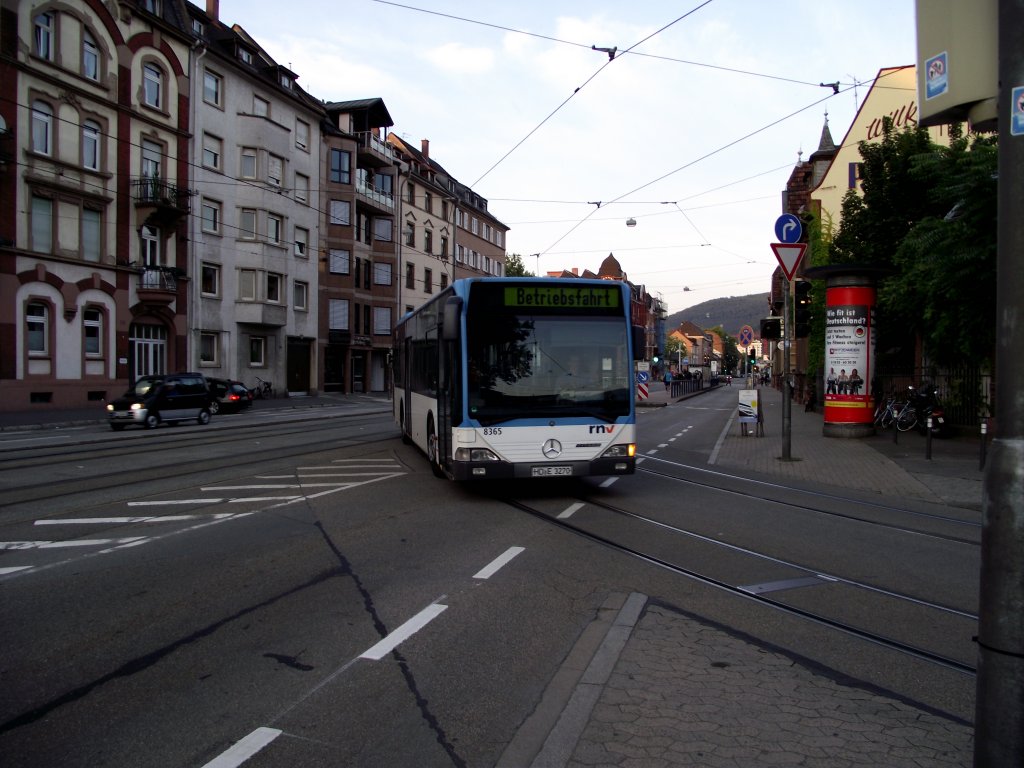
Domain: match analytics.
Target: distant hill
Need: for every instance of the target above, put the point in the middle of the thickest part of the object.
(732, 313)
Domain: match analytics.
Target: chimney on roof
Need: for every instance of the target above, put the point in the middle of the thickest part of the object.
(576, 271)
(425, 148)
(213, 9)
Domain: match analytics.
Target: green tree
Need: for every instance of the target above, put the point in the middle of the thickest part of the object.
(927, 216)
(730, 351)
(514, 266)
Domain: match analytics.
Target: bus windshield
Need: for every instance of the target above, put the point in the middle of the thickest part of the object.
(528, 364)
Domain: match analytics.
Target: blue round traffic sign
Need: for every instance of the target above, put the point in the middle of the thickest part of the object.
(788, 228)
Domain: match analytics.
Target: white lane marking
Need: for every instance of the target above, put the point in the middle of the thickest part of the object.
(5, 571)
(250, 487)
(126, 520)
(652, 451)
(608, 482)
(242, 750)
(721, 437)
(499, 562)
(570, 510)
(404, 632)
(173, 501)
(14, 545)
(255, 499)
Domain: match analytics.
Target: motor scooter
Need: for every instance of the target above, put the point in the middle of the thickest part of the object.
(928, 407)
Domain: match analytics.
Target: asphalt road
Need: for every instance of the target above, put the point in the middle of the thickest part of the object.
(274, 591)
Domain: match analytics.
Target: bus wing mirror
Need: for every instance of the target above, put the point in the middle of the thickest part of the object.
(450, 318)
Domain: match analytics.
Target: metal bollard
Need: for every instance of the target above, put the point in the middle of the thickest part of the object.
(984, 444)
(928, 440)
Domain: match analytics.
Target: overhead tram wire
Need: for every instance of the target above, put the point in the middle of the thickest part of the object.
(611, 57)
(693, 162)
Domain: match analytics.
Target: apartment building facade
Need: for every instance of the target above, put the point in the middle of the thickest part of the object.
(256, 160)
(94, 201)
(359, 266)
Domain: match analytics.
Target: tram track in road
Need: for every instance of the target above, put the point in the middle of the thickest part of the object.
(174, 457)
(798, 576)
(869, 511)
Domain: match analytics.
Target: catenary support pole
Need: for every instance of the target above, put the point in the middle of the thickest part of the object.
(999, 714)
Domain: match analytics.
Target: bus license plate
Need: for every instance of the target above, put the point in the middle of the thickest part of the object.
(550, 471)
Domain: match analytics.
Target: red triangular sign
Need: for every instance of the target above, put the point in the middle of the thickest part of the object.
(789, 255)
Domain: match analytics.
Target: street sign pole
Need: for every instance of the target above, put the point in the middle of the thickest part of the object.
(787, 403)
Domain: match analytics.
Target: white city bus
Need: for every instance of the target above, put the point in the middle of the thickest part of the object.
(520, 377)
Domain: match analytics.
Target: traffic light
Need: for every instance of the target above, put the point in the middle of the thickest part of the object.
(657, 358)
(771, 327)
(802, 316)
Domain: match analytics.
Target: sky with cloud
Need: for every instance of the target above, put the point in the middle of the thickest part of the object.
(691, 128)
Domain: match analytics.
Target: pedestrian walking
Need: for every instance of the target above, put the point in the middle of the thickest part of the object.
(668, 379)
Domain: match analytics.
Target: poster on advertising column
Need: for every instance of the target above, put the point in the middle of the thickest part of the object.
(849, 355)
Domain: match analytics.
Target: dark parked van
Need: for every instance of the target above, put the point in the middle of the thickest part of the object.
(172, 397)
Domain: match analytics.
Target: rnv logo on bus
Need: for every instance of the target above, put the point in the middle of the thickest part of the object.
(601, 429)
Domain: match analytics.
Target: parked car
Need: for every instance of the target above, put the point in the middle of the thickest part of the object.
(228, 396)
(170, 398)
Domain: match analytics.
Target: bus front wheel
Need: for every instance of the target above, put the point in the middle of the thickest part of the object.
(433, 453)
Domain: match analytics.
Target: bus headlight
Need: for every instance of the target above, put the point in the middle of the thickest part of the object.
(620, 450)
(475, 454)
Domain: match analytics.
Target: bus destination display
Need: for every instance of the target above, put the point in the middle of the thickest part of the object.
(562, 296)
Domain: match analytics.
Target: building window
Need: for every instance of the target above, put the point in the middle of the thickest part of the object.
(260, 107)
(213, 85)
(245, 56)
(209, 348)
(302, 134)
(428, 280)
(92, 330)
(42, 128)
(152, 159)
(91, 145)
(444, 247)
(341, 212)
(382, 228)
(90, 57)
(152, 85)
(302, 242)
(274, 229)
(247, 285)
(301, 187)
(44, 36)
(198, 27)
(381, 273)
(300, 294)
(248, 169)
(337, 315)
(150, 246)
(428, 201)
(37, 328)
(428, 241)
(410, 234)
(247, 224)
(257, 351)
(153, 6)
(410, 194)
(444, 281)
(382, 321)
(211, 217)
(340, 261)
(275, 170)
(212, 150)
(92, 234)
(286, 81)
(273, 287)
(210, 280)
(341, 167)
(42, 225)
(410, 275)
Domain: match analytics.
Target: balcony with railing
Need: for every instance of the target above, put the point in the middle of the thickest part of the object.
(157, 286)
(159, 201)
(378, 199)
(373, 148)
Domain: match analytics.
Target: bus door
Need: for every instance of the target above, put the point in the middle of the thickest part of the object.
(449, 383)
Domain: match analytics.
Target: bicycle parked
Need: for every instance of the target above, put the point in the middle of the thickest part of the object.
(902, 413)
(262, 389)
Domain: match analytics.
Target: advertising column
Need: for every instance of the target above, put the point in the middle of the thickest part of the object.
(849, 358)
